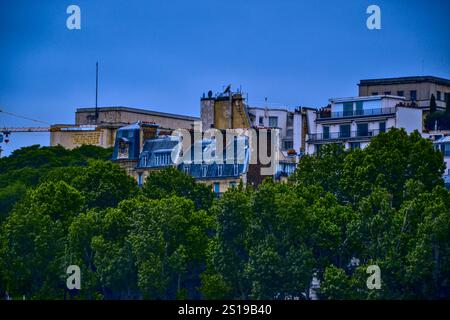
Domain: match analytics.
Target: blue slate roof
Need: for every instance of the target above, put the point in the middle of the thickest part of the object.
(158, 153)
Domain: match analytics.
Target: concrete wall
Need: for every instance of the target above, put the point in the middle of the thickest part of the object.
(102, 137)
(409, 118)
(117, 115)
(207, 113)
(298, 131)
(424, 91)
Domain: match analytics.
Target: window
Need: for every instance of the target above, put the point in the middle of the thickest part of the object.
(362, 129)
(382, 126)
(355, 145)
(261, 121)
(144, 161)
(289, 144)
(219, 170)
(374, 93)
(204, 170)
(438, 95)
(359, 108)
(289, 133)
(216, 187)
(290, 120)
(326, 132)
(233, 184)
(273, 122)
(413, 95)
(140, 180)
(400, 93)
(186, 169)
(235, 169)
(348, 108)
(344, 131)
(387, 93)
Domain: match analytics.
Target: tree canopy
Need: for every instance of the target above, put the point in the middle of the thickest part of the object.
(340, 212)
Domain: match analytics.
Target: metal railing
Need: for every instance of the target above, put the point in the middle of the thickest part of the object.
(355, 113)
(343, 135)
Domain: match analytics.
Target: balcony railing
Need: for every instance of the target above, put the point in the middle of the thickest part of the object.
(355, 113)
(343, 135)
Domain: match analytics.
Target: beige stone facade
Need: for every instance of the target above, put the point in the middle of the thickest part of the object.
(125, 115)
(420, 87)
(102, 133)
(72, 136)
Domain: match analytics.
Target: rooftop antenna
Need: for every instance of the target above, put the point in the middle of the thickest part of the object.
(96, 92)
(266, 108)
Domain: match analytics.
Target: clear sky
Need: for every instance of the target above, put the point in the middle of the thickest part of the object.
(163, 54)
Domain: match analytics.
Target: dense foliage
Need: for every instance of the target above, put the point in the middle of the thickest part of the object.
(341, 211)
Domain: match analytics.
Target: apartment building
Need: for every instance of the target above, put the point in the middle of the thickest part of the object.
(98, 126)
(416, 90)
(352, 122)
(142, 147)
(229, 110)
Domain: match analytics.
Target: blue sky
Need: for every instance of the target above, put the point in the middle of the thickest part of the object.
(162, 55)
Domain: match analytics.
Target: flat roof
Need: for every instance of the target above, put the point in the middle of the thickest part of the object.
(284, 109)
(404, 80)
(140, 111)
(365, 98)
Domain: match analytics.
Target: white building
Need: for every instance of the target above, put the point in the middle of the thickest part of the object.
(354, 121)
(289, 123)
(442, 143)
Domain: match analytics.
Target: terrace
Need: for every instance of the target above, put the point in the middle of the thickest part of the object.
(323, 114)
(343, 135)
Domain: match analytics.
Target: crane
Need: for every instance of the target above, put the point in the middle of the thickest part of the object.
(5, 132)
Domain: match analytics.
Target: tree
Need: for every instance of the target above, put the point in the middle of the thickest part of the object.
(324, 169)
(32, 241)
(229, 252)
(25, 168)
(104, 184)
(388, 162)
(169, 240)
(447, 103)
(433, 106)
(173, 182)
(9, 196)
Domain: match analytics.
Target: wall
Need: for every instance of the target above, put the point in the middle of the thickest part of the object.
(102, 137)
(409, 118)
(127, 116)
(424, 91)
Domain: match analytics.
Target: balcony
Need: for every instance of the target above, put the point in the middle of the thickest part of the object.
(321, 115)
(343, 135)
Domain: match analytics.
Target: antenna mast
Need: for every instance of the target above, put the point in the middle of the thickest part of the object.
(96, 92)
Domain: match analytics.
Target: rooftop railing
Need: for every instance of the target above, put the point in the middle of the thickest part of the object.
(355, 113)
(343, 135)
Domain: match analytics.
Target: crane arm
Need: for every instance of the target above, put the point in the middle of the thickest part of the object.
(19, 116)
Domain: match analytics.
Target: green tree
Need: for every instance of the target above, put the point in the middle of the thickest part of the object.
(229, 252)
(32, 241)
(104, 184)
(173, 182)
(169, 240)
(433, 106)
